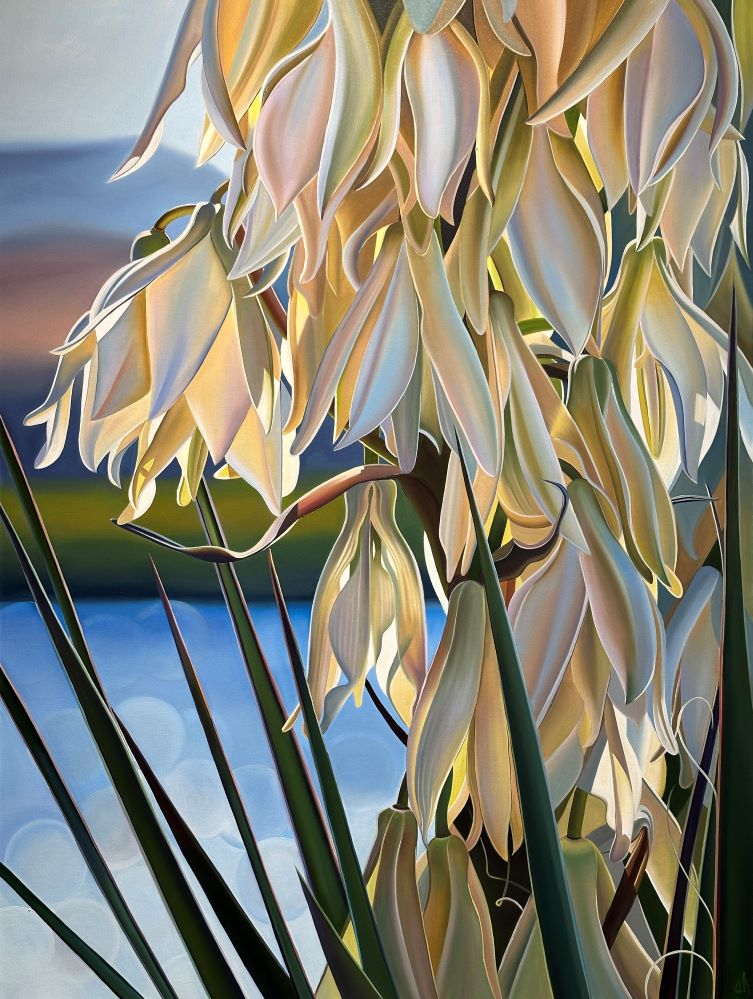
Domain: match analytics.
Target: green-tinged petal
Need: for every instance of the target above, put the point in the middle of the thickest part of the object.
(457, 923)
(742, 33)
(446, 703)
(627, 471)
(537, 415)
(397, 908)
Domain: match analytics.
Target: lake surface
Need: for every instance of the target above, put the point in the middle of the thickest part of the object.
(135, 656)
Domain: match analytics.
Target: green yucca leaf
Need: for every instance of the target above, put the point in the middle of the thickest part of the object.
(303, 806)
(230, 787)
(703, 943)
(348, 975)
(564, 955)
(362, 915)
(670, 974)
(260, 962)
(112, 978)
(189, 920)
(49, 557)
(80, 832)
(734, 866)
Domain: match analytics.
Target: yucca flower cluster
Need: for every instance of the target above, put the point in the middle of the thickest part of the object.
(508, 233)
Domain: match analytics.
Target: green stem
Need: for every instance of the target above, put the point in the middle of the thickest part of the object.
(577, 814)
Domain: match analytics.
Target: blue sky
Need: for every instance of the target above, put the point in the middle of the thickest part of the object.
(74, 71)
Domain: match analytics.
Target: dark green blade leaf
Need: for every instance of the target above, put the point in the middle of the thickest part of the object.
(349, 977)
(189, 920)
(227, 778)
(301, 800)
(734, 864)
(49, 556)
(564, 956)
(252, 949)
(112, 978)
(80, 831)
(364, 924)
(670, 975)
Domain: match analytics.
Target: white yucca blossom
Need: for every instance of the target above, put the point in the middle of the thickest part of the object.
(368, 610)
(159, 335)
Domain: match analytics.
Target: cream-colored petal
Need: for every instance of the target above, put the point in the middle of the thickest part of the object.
(185, 309)
(343, 341)
(322, 666)
(390, 356)
(123, 366)
(453, 357)
(555, 248)
(289, 134)
(606, 134)
(665, 78)
(447, 700)
(172, 86)
(631, 22)
(356, 96)
(619, 599)
(444, 93)
(546, 614)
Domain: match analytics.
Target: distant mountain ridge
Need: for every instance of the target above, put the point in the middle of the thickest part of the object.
(64, 189)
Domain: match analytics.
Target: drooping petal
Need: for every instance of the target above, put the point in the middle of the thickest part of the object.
(444, 93)
(555, 247)
(390, 357)
(453, 356)
(397, 908)
(619, 598)
(185, 308)
(172, 86)
(631, 22)
(665, 79)
(546, 614)
(289, 134)
(606, 134)
(322, 668)
(446, 703)
(356, 96)
(457, 922)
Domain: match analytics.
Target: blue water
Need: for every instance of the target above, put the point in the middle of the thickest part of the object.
(135, 656)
